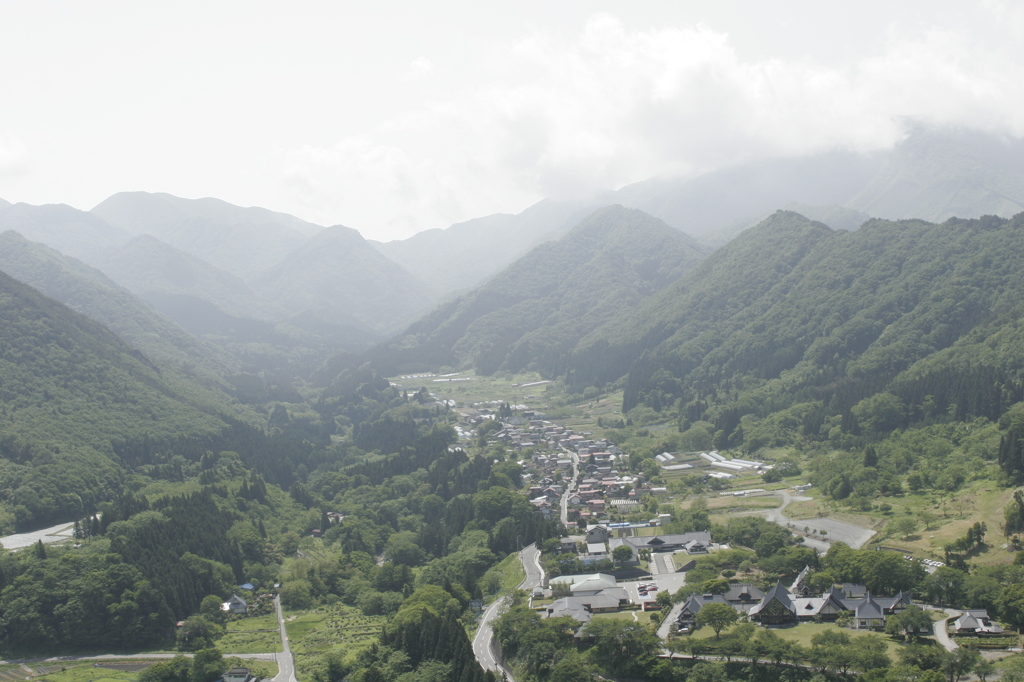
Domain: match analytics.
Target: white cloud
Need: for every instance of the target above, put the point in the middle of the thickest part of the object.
(618, 105)
(420, 66)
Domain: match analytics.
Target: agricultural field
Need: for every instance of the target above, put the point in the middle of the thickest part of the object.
(251, 636)
(470, 390)
(87, 673)
(334, 627)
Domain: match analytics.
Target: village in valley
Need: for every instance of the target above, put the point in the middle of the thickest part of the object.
(622, 556)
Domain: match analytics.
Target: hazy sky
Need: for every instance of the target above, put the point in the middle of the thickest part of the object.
(393, 117)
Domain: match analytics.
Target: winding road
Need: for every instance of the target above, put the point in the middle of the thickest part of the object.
(838, 531)
(483, 642)
(940, 628)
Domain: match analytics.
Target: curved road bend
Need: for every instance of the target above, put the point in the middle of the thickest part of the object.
(483, 642)
(941, 628)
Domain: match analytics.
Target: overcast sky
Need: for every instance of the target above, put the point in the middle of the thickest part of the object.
(394, 117)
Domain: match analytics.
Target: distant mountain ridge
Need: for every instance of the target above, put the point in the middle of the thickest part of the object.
(242, 241)
(468, 253)
(537, 309)
(152, 268)
(338, 274)
(933, 174)
(88, 291)
(74, 233)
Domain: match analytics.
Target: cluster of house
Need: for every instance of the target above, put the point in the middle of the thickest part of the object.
(588, 594)
(782, 605)
(600, 542)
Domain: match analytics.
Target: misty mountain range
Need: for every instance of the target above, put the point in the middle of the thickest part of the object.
(265, 289)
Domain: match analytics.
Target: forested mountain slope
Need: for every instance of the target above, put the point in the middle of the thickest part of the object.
(243, 241)
(90, 292)
(340, 277)
(538, 308)
(74, 399)
(896, 323)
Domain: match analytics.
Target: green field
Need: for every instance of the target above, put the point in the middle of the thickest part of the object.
(802, 634)
(330, 626)
(89, 674)
(642, 617)
(503, 577)
(336, 627)
(257, 635)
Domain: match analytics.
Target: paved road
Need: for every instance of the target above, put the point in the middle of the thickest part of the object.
(569, 488)
(838, 531)
(58, 533)
(285, 662)
(941, 629)
(530, 558)
(483, 642)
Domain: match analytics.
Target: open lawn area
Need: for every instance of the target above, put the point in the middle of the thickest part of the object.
(643, 617)
(802, 634)
(953, 514)
(731, 504)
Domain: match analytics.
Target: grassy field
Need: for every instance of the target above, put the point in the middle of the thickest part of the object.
(642, 617)
(739, 504)
(802, 634)
(335, 627)
(251, 636)
(330, 626)
(503, 577)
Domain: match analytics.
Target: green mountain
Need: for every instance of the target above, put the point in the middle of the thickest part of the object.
(836, 217)
(242, 241)
(339, 276)
(90, 292)
(836, 332)
(76, 403)
(536, 310)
